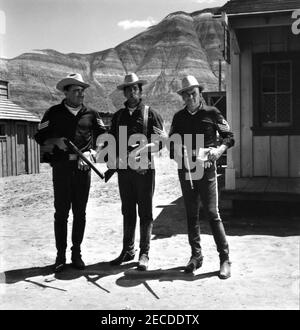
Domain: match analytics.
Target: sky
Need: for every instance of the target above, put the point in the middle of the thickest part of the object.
(82, 26)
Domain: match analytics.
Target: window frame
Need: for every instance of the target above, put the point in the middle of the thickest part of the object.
(259, 128)
(3, 136)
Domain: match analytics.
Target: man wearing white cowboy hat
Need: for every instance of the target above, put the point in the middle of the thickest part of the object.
(136, 185)
(71, 176)
(198, 118)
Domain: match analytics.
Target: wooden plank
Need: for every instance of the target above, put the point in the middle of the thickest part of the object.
(246, 114)
(37, 151)
(9, 136)
(13, 147)
(293, 185)
(8, 148)
(241, 183)
(259, 21)
(33, 164)
(21, 149)
(32, 149)
(294, 156)
(294, 44)
(258, 185)
(38, 157)
(4, 158)
(279, 156)
(277, 185)
(271, 196)
(261, 156)
(1, 158)
(233, 111)
(30, 155)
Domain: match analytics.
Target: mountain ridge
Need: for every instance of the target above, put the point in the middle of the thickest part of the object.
(180, 44)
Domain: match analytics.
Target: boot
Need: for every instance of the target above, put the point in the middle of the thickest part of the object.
(60, 262)
(193, 264)
(143, 262)
(123, 257)
(76, 259)
(219, 234)
(225, 269)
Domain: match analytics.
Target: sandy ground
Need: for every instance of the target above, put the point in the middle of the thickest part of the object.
(264, 254)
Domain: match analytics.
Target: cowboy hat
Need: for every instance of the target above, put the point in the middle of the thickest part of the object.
(71, 79)
(131, 79)
(189, 82)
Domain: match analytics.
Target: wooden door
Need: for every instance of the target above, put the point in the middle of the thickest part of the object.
(21, 150)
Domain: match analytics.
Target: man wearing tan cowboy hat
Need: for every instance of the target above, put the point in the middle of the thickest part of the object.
(136, 185)
(71, 176)
(198, 118)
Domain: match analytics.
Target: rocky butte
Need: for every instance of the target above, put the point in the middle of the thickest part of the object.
(180, 44)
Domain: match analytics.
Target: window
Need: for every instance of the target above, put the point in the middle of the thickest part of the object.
(2, 130)
(3, 89)
(276, 94)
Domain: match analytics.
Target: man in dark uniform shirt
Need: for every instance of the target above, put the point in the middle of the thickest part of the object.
(136, 185)
(198, 118)
(71, 176)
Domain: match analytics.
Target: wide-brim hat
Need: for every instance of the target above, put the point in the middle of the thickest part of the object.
(131, 79)
(189, 82)
(71, 79)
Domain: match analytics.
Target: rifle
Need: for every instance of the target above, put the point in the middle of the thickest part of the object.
(188, 167)
(72, 146)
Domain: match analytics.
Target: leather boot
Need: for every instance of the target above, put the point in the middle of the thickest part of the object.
(123, 257)
(225, 269)
(219, 234)
(60, 262)
(143, 262)
(193, 264)
(76, 258)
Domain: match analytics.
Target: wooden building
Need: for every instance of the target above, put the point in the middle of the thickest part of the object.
(262, 53)
(19, 153)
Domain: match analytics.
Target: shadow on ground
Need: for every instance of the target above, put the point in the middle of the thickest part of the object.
(256, 219)
(93, 273)
(134, 277)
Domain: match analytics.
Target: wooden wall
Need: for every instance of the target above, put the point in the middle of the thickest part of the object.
(12, 159)
(276, 156)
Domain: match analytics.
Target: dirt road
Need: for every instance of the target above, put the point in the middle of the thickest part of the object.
(264, 253)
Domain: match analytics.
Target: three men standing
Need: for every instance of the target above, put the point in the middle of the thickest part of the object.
(71, 176)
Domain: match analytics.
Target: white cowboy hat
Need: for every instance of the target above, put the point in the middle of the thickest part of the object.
(189, 82)
(71, 79)
(131, 79)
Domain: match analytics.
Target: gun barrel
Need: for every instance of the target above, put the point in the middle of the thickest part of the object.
(72, 146)
(188, 168)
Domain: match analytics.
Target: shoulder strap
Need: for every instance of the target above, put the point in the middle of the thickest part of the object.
(145, 120)
(118, 119)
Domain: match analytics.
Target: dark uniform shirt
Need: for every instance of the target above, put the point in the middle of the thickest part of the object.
(135, 122)
(207, 121)
(82, 129)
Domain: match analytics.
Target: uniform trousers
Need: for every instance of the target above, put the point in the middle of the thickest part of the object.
(136, 190)
(71, 189)
(205, 190)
